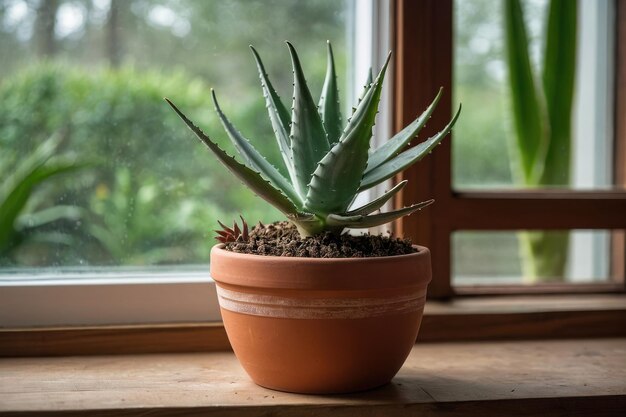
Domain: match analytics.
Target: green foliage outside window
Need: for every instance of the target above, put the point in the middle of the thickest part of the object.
(95, 73)
(542, 105)
(136, 209)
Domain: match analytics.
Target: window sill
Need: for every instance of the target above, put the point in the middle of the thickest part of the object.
(546, 378)
(464, 319)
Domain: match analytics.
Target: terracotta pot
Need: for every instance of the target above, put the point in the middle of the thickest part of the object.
(321, 325)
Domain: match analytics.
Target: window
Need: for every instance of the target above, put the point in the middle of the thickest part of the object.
(422, 41)
(141, 190)
(423, 47)
(129, 217)
(467, 216)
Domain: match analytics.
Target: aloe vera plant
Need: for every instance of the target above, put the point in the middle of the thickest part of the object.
(324, 163)
(542, 116)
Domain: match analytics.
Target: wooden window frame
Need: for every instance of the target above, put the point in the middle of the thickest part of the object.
(423, 44)
(423, 51)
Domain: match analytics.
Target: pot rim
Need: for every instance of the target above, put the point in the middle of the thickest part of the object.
(421, 251)
(259, 271)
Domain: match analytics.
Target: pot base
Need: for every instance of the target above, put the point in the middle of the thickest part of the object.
(331, 356)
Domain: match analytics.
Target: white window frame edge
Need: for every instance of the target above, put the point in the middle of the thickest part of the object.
(372, 26)
(593, 129)
(92, 299)
(107, 299)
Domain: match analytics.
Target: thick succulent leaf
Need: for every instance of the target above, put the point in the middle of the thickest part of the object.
(307, 224)
(329, 107)
(529, 116)
(338, 175)
(366, 87)
(369, 81)
(302, 216)
(251, 178)
(378, 202)
(558, 85)
(222, 233)
(394, 146)
(372, 92)
(406, 158)
(279, 115)
(253, 158)
(360, 222)
(309, 143)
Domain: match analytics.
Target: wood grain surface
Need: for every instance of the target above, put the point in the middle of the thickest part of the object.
(110, 340)
(541, 378)
(423, 63)
(463, 319)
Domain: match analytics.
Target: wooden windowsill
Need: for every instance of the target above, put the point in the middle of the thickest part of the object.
(539, 378)
(463, 319)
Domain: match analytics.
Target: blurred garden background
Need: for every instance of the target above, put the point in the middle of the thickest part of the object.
(97, 170)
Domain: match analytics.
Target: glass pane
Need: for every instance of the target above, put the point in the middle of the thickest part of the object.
(532, 257)
(487, 150)
(120, 180)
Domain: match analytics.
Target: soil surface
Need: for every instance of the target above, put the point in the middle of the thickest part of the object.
(282, 239)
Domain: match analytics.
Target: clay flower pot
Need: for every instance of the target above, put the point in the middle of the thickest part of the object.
(321, 325)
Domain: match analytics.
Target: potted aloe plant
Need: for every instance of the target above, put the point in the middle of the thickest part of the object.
(306, 311)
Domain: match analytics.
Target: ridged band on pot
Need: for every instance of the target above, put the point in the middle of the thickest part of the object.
(319, 308)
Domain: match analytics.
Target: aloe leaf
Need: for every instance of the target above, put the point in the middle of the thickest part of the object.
(370, 97)
(309, 142)
(251, 178)
(360, 222)
(394, 146)
(558, 85)
(278, 113)
(370, 79)
(308, 224)
(377, 203)
(528, 110)
(366, 87)
(329, 107)
(338, 175)
(253, 158)
(406, 158)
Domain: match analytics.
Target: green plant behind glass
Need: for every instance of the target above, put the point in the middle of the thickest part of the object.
(542, 116)
(22, 219)
(98, 112)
